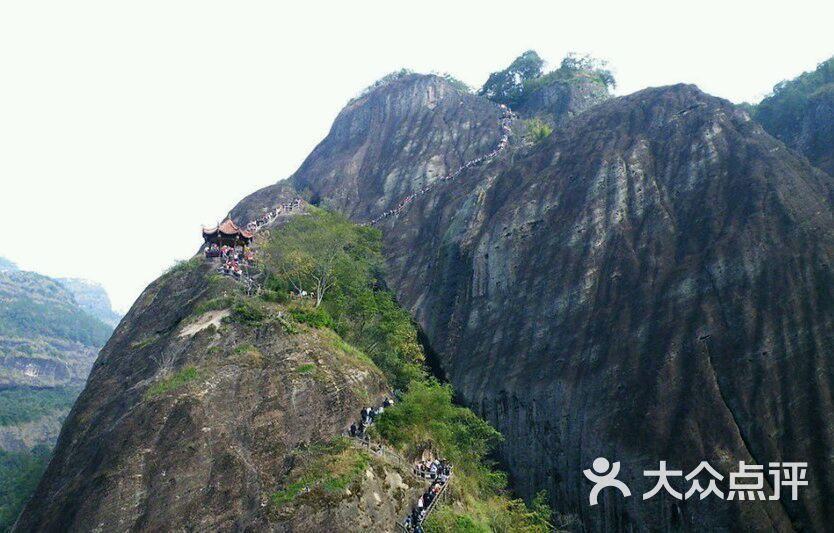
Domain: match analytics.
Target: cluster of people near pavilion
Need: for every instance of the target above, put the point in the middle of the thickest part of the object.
(438, 471)
(505, 139)
(271, 215)
(233, 258)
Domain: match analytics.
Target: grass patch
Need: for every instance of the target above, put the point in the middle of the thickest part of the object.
(352, 351)
(249, 313)
(315, 317)
(537, 130)
(214, 304)
(288, 494)
(144, 343)
(250, 355)
(173, 382)
(308, 368)
(326, 469)
(181, 267)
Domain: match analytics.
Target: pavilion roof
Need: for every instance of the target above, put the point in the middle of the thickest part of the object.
(229, 229)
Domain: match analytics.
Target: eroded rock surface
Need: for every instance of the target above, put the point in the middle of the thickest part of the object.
(652, 282)
(196, 431)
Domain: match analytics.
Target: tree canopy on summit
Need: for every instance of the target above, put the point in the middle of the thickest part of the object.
(507, 86)
(525, 75)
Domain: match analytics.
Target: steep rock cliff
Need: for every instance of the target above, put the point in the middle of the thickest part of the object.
(561, 100)
(652, 282)
(193, 418)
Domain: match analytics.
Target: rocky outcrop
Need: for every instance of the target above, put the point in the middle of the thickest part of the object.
(193, 419)
(259, 202)
(388, 144)
(560, 100)
(624, 290)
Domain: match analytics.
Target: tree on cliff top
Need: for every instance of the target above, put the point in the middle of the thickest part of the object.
(782, 111)
(507, 86)
(524, 76)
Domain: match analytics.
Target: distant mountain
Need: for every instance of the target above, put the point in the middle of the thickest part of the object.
(92, 298)
(49, 338)
(46, 338)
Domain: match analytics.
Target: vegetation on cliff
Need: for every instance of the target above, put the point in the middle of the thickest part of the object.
(19, 474)
(525, 75)
(48, 342)
(783, 110)
(21, 405)
(344, 261)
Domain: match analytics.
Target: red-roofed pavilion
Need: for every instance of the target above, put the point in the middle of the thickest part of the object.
(227, 233)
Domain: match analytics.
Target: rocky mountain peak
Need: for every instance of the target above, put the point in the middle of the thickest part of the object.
(402, 135)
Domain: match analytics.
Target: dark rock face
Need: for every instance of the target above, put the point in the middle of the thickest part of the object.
(816, 140)
(204, 455)
(653, 282)
(562, 100)
(263, 200)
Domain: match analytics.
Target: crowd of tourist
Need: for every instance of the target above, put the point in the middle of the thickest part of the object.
(233, 258)
(367, 417)
(438, 471)
(271, 215)
(505, 139)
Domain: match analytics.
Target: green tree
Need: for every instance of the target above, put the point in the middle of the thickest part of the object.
(782, 112)
(507, 86)
(320, 250)
(574, 63)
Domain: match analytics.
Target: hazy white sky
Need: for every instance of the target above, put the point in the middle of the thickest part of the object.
(125, 125)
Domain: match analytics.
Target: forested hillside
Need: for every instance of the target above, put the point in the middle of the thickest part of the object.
(48, 343)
